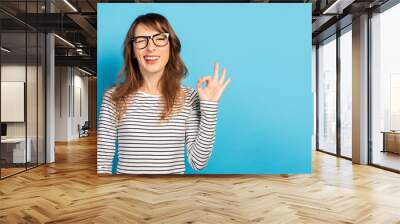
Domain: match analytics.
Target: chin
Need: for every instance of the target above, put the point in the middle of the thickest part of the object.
(154, 68)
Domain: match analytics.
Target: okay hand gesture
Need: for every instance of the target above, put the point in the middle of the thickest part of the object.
(215, 85)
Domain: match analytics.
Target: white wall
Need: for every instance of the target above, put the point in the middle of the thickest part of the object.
(34, 125)
(61, 103)
(79, 117)
(15, 72)
(70, 83)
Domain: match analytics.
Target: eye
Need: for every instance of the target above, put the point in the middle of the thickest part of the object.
(140, 40)
(161, 36)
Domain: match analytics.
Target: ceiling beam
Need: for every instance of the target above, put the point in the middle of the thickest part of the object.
(337, 6)
(84, 24)
(82, 61)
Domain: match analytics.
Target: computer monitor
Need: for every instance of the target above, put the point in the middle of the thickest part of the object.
(3, 129)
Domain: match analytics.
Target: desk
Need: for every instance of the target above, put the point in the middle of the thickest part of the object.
(17, 150)
(391, 141)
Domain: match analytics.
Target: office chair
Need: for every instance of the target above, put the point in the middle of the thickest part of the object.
(84, 130)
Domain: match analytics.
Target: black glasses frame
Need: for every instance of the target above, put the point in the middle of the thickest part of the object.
(148, 38)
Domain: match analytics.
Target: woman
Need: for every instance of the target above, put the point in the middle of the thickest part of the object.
(150, 114)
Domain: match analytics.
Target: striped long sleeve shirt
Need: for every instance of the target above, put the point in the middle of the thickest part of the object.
(146, 146)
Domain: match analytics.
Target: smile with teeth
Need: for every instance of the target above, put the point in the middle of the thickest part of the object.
(151, 58)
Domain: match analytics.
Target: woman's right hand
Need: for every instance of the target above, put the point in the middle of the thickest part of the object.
(215, 86)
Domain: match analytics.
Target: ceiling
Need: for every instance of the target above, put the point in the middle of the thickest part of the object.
(76, 22)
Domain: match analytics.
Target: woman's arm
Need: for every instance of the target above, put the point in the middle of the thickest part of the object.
(200, 130)
(106, 134)
(200, 126)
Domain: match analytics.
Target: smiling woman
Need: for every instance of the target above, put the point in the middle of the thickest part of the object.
(149, 117)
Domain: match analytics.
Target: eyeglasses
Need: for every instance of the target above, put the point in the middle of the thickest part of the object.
(159, 39)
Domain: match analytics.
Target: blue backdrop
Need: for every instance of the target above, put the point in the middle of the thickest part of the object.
(265, 117)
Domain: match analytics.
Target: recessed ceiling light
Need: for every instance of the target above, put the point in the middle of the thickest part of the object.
(64, 40)
(5, 50)
(84, 71)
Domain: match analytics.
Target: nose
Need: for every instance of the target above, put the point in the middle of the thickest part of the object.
(151, 46)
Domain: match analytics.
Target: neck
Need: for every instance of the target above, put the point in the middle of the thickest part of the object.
(151, 82)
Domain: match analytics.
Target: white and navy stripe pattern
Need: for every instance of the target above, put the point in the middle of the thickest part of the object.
(147, 146)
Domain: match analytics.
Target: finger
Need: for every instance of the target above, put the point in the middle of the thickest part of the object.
(199, 82)
(222, 79)
(226, 84)
(207, 79)
(216, 67)
(203, 79)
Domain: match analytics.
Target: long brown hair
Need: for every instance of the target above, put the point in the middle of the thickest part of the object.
(175, 70)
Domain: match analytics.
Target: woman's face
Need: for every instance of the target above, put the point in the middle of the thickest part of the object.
(152, 59)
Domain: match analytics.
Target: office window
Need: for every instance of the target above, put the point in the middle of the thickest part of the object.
(346, 92)
(314, 89)
(327, 95)
(385, 90)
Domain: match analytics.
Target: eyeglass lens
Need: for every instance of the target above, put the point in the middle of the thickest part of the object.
(159, 40)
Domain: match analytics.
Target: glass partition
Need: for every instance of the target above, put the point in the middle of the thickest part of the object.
(13, 95)
(22, 107)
